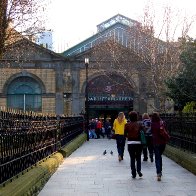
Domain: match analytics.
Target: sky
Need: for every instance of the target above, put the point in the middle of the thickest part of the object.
(75, 20)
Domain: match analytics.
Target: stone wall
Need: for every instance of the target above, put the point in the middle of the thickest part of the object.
(47, 76)
(183, 158)
(48, 105)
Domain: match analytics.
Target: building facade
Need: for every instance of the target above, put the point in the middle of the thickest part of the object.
(35, 78)
(31, 78)
(117, 79)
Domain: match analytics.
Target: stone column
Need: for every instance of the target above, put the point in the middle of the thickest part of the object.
(59, 88)
(75, 72)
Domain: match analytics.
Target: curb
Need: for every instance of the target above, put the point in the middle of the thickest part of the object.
(183, 158)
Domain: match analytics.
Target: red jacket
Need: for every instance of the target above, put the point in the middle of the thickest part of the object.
(132, 131)
(99, 125)
(157, 139)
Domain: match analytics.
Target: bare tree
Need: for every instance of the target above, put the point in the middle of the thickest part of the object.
(112, 57)
(148, 52)
(20, 18)
(162, 57)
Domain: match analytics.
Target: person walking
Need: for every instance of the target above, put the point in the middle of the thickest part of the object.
(132, 132)
(100, 128)
(148, 148)
(118, 127)
(92, 129)
(158, 142)
(107, 126)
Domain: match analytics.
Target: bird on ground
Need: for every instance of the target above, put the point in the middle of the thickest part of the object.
(104, 153)
(111, 152)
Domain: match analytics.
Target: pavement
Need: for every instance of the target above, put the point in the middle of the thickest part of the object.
(87, 172)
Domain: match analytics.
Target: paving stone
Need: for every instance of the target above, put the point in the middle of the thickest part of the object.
(87, 172)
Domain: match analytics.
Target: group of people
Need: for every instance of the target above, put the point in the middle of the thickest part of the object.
(97, 128)
(130, 129)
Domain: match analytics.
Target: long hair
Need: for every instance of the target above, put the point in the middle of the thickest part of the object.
(121, 117)
(155, 117)
(133, 116)
(145, 116)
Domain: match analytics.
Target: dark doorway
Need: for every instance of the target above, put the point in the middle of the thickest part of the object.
(107, 112)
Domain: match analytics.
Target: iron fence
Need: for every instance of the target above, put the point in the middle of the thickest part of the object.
(182, 129)
(27, 139)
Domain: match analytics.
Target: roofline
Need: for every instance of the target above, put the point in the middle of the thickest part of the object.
(116, 16)
(93, 36)
(40, 47)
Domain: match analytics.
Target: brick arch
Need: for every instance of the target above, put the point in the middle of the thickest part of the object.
(102, 74)
(108, 94)
(23, 74)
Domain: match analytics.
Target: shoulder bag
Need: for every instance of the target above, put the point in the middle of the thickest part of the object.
(164, 134)
(142, 137)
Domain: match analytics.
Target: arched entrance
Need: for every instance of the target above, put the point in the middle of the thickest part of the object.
(108, 95)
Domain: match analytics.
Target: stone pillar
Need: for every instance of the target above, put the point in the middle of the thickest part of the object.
(59, 89)
(150, 105)
(75, 72)
(136, 103)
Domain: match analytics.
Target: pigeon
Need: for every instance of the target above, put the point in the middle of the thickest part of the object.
(111, 152)
(104, 153)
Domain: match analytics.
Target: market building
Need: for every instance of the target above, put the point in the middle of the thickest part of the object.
(35, 78)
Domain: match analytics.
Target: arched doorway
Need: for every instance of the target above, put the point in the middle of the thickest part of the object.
(108, 95)
(24, 93)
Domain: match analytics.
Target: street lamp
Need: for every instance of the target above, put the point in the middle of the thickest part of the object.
(86, 61)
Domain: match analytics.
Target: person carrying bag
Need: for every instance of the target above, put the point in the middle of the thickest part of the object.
(159, 142)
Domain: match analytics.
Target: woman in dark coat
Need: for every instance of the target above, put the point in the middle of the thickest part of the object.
(132, 132)
(158, 142)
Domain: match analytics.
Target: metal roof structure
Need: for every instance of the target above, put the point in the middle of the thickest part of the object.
(125, 31)
(116, 28)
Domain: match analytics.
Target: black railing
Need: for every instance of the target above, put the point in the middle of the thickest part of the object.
(27, 139)
(182, 129)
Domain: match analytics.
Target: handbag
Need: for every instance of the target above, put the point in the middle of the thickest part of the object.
(142, 137)
(113, 135)
(164, 134)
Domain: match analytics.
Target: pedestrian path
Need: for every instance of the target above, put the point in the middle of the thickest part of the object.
(87, 172)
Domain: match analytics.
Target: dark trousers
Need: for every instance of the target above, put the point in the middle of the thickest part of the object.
(120, 142)
(135, 151)
(158, 151)
(148, 148)
(99, 132)
(108, 132)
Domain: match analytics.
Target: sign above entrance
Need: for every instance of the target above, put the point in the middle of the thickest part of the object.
(110, 98)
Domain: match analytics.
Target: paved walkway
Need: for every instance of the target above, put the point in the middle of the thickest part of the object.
(87, 172)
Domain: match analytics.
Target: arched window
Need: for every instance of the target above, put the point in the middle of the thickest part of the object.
(24, 93)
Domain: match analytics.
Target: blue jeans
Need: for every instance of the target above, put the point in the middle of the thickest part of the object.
(120, 142)
(92, 134)
(158, 150)
(148, 148)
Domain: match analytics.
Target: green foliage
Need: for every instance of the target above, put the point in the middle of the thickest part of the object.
(182, 88)
(190, 107)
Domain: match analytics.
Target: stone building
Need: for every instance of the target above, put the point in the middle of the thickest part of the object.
(32, 78)
(117, 79)
(35, 78)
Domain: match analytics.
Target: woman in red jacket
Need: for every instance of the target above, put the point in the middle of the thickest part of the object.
(158, 142)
